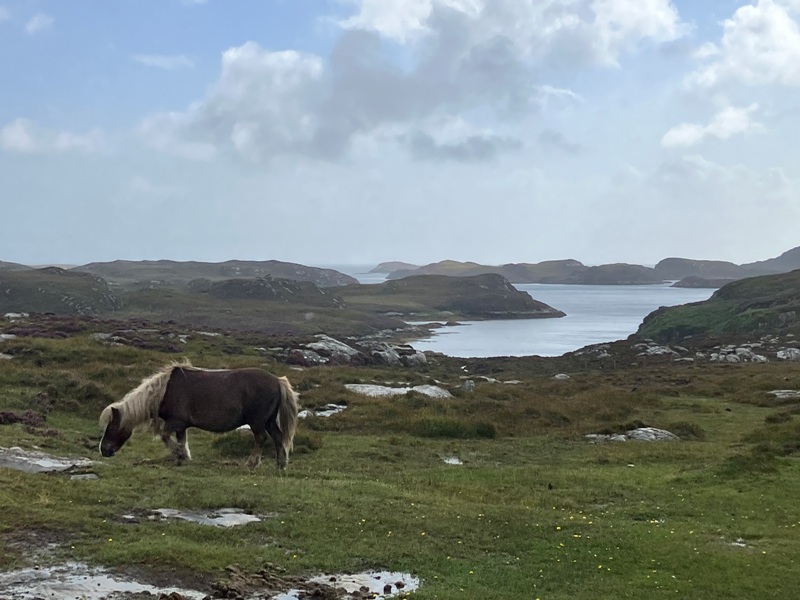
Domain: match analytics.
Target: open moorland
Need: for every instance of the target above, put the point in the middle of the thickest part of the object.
(493, 491)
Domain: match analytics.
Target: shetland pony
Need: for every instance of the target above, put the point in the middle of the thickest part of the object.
(180, 396)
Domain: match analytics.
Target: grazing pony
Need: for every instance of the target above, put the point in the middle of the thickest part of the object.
(180, 396)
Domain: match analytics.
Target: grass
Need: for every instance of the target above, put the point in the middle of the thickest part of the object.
(534, 512)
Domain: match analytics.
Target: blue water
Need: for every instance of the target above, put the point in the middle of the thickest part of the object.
(595, 314)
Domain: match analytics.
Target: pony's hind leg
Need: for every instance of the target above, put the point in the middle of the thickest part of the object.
(281, 458)
(255, 454)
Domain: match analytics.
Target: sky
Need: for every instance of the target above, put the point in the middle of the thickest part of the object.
(359, 131)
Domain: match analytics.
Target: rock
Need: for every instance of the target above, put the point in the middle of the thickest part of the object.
(650, 434)
(305, 358)
(11, 316)
(789, 354)
(561, 377)
(468, 385)
(786, 394)
(380, 391)
(642, 434)
(338, 352)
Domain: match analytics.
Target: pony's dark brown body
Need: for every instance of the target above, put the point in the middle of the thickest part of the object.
(213, 400)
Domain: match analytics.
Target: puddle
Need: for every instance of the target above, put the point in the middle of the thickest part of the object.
(372, 584)
(327, 410)
(786, 394)
(31, 461)
(223, 517)
(382, 391)
(76, 580)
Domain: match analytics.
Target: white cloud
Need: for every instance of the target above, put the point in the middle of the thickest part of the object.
(164, 133)
(5, 14)
(16, 137)
(582, 31)
(166, 62)
(727, 122)
(38, 23)
(470, 57)
(25, 137)
(760, 46)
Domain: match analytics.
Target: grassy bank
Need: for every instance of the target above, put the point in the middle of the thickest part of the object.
(534, 512)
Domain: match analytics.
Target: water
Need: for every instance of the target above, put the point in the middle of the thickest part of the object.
(360, 272)
(595, 314)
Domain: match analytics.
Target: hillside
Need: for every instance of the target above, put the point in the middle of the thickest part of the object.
(267, 304)
(488, 296)
(55, 290)
(10, 266)
(758, 305)
(125, 272)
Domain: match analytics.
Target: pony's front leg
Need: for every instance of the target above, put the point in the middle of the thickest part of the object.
(255, 454)
(179, 447)
(182, 453)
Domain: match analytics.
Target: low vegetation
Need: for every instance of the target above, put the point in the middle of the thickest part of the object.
(534, 511)
(755, 306)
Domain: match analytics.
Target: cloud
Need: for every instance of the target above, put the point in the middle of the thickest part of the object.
(40, 22)
(483, 63)
(583, 31)
(760, 46)
(455, 139)
(166, 62)
(23, 136)
(554, 140)
(726, 123)
(5, 14)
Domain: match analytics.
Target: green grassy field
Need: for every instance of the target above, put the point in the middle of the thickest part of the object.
(535, 511)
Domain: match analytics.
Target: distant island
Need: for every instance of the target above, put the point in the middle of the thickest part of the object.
(683, 271)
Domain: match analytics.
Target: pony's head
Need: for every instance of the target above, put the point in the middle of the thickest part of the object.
(115, 434)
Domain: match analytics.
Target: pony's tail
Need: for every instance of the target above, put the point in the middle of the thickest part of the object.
(287, 414)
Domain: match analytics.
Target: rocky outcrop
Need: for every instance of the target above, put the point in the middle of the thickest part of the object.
(642, 434)
(57, 290)
(326, 350)
(267, 289)
(488, 296)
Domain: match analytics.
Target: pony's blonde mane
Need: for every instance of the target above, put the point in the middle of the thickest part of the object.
(140, 405)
